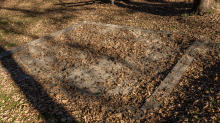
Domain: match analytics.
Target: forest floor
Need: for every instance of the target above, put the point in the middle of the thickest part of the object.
(195, 99)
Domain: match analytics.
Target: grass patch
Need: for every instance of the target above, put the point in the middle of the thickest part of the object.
(13, 105)
(186, 15)
(196, 118)
(8, 31)
(38, 117)
(9, 44)
(13, 119)
(3, 23)
(214, 101)
(172, 28)
(209, 11)
(4, 97)
(1, 121)
(216, 119)
(196, 113)
(68, 17)
(211, 89)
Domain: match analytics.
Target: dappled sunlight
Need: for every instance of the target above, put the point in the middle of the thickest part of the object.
(107, 68)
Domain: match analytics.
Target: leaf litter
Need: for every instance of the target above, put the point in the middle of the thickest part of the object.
(184, 31)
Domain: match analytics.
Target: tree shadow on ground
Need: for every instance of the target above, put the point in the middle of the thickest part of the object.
(34, 92)
(7, 29)
(81, 3)
(75, 4)
(162, 9)
(31, 13)
(199, 100)
(2, 1)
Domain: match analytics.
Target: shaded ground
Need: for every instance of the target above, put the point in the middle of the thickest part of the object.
(23, 21)
(35, 95)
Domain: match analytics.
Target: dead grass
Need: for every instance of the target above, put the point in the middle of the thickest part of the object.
(14, 105)
(21, 21)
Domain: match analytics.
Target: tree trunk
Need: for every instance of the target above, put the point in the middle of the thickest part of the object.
(203, 6)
